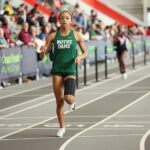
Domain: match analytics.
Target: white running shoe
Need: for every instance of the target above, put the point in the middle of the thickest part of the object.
(61, 132)
(72, 106)
(124, 76)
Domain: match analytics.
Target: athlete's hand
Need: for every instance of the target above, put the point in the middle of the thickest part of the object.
(42, 55)
(42, 52)
(78, 60)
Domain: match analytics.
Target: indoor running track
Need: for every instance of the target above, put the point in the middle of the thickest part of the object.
(112, 114)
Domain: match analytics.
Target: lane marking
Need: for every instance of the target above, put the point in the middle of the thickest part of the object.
(111, 135)
(104, 120)
(123, 126)
(93, 100)
(51, 83)
(52, 94)
(24, 91)
(53, 137)
(78, 106)
(76, 128)
(100, 116)
(143, 140)
(28, 108)
(85, 88)
(78, 90)
(28, 90)
(27, 102)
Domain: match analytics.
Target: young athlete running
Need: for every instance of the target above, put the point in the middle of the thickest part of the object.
(64, 64)
(121, 50)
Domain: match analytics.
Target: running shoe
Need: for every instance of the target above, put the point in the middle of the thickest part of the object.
(124, 76)
(72, 107)
(61, 132)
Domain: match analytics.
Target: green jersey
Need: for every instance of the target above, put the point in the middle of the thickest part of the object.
(64, 54)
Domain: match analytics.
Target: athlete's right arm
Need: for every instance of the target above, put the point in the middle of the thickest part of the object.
(47, 45)
(48, 42)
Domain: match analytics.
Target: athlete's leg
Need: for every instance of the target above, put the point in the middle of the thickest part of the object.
(69, 89)
(121, 62)
(58, 91)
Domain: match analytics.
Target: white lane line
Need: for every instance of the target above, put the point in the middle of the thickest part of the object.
(79, 90)
(51, 84)
(40, 138)
(27, 90)
(53, 137)
(111, 135)
(27, 128)
(106, 125)
(93, 100)
(119, 116)
(100, 116)
(27, 102)
(85, 88)
(98, 123)
(142, 142)
(77, 128)
(77, 107)
(28, 108)
(23, 118)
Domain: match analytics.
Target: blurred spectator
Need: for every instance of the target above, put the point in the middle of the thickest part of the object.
(80, 20)
(93, 16)
(36, 41)
(92, 32)
(45, 31)
(3, 42)
(109, 32)
(53, 28)
(22, 14)
(34, 9)
(32, 19)
(7, 33)
(100, 30)
(148, 31)
(58, 4)
(25, 35)
(13, 26)
(53, 18)
(45, 3)
(8, 7)
(76, 11)
(84, 33)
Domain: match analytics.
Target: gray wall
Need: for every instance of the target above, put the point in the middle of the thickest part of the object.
(133, 7)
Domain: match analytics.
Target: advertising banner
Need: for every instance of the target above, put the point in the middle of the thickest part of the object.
(10, 63)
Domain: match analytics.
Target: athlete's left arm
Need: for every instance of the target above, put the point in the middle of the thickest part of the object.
(82, 47)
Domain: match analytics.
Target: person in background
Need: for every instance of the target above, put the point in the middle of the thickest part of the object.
(3, 42)
(25, 36)
(45, 32)
(119, 41)
(7, 33)
(148, 31)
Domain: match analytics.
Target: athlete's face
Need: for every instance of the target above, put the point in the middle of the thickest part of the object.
(65, 19)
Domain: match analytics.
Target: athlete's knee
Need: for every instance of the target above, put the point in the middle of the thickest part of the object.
(69, 99)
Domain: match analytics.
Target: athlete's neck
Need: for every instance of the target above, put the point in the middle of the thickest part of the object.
(64, 31)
